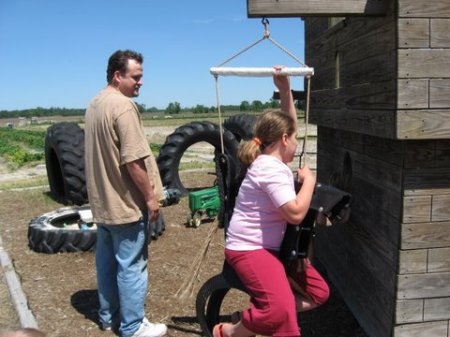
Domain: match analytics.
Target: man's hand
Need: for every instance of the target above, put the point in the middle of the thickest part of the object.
(153, 208)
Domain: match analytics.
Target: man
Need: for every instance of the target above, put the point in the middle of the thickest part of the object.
(124, 191)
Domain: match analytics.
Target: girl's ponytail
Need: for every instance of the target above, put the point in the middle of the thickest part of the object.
(248, 151)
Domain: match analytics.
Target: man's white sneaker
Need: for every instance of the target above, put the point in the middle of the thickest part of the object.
(147, 329)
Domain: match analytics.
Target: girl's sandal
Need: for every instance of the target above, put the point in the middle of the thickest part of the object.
(235, 318)
(217, 330)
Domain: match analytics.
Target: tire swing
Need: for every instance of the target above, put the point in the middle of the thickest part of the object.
(212, 293)
(228, 168)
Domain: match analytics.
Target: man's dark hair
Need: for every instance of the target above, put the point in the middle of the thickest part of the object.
(119, 61)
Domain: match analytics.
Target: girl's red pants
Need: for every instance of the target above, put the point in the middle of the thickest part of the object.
(273, 311)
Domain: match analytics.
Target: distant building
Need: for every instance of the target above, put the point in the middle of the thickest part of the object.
(22, 121)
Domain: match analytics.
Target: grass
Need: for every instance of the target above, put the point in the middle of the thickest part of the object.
(24, 183)
(177, 120)
(20, 147)
(194, 165)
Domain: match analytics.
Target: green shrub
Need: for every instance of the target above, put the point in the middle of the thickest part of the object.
(20, 147)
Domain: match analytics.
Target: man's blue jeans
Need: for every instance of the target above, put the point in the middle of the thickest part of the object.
(122, 279)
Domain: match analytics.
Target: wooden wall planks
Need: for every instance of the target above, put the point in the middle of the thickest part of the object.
(391, 115)
(420, 8)
(423, 69)
(429, 285)
(423, 63)
(423, 124)
(413, 33)
(430, 329)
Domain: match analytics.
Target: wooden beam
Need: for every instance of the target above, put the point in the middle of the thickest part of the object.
(303, 8)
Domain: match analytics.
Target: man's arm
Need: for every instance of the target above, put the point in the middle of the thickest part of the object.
(138, 173)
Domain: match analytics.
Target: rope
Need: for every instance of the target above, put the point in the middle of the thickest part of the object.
(265, 22)
(241, 52)
(247, 71)
(304, 153)
(266, 35)
(222, 148)
(285, 50)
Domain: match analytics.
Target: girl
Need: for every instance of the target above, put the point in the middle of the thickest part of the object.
(266, 202)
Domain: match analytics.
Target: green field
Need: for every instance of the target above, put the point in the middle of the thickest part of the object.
(22, 145)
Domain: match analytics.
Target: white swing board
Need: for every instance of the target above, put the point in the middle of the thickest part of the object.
(261, 72)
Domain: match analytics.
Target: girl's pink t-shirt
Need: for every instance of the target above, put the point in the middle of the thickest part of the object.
(256, 222)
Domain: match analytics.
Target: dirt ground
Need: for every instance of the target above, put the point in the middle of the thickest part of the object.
(61, 288)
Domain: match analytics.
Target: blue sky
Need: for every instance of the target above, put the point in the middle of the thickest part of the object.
(54, 52)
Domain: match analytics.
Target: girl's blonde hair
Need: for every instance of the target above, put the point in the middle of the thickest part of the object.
(269, 128)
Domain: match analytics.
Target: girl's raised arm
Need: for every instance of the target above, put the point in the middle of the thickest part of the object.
(287, 101)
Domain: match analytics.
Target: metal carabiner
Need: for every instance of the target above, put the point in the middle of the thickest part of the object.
(265, 22)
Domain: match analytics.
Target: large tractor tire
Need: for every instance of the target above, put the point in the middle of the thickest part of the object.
(64, 160)
(64, 230)
(71, 229)
(183, 137)
(241, 126)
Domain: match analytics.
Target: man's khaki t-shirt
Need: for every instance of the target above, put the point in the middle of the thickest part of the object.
(114, 136)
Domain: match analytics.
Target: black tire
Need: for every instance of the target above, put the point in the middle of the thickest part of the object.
(210, 297)
(47, 233)
(208, 301)
(241, 126)
(64, 160)
(229, 179)
(63, 230)
(183, 137)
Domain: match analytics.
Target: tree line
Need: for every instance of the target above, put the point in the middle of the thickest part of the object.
(172, 108)
(175, 107)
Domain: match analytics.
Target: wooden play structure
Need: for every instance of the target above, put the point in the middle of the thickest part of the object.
(380, 97)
